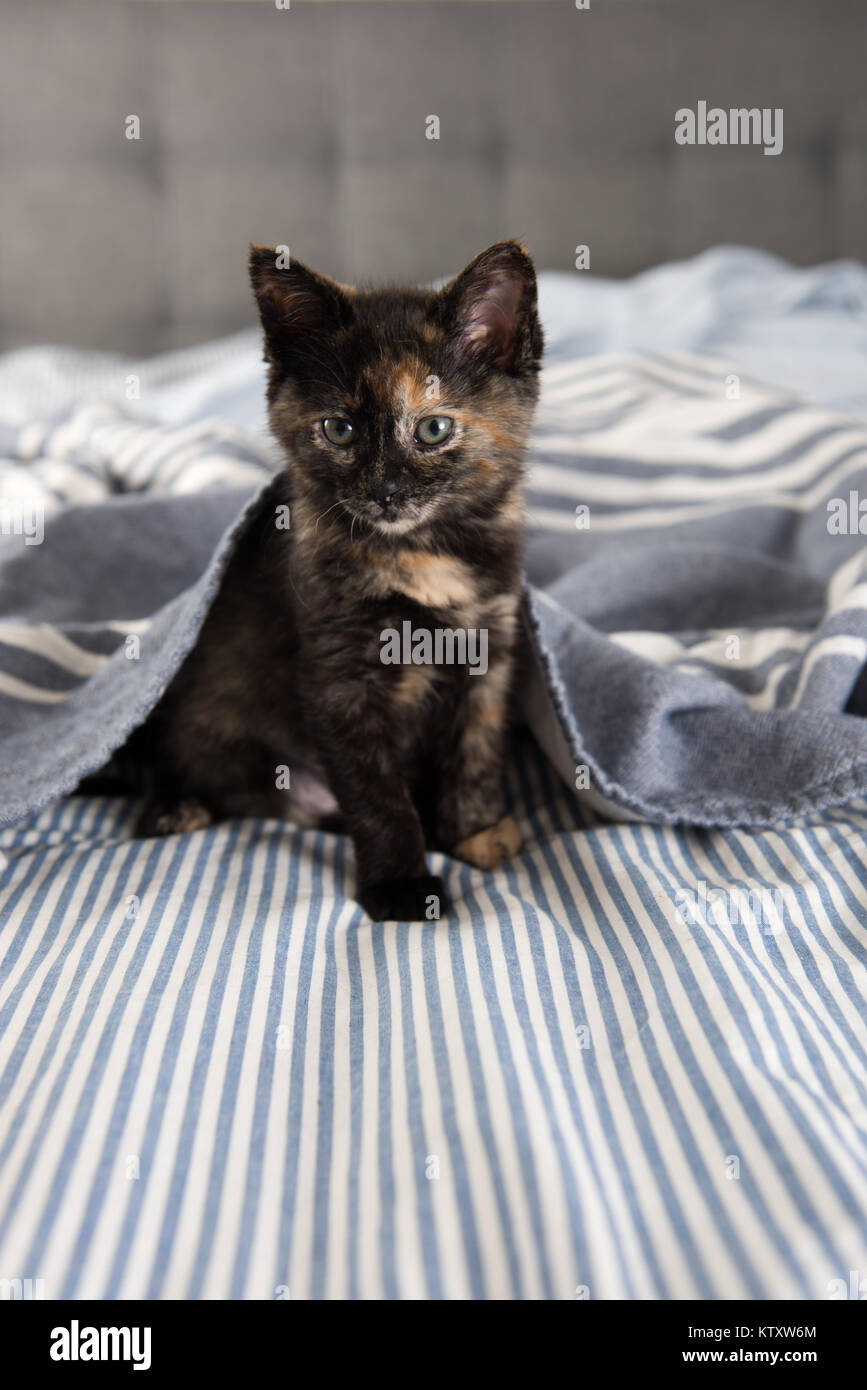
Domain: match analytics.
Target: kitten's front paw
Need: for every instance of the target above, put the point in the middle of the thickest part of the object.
(418, 899)
(157, 819)
(490, 848)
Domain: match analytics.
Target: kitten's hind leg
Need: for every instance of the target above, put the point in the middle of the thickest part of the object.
(231, 781)
(168, 816)
(195, 783)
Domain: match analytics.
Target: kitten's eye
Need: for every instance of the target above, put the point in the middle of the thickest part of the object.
(433, 429)
(337, 429)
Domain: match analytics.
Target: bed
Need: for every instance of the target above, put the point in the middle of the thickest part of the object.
(629, 1064)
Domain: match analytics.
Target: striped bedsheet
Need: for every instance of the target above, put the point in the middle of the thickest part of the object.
(631, 1063)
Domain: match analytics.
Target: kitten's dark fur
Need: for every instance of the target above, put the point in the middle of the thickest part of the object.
(287, 669)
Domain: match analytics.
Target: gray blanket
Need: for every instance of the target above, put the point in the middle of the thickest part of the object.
(696, 600)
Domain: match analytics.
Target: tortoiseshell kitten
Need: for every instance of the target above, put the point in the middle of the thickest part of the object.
(403, 415)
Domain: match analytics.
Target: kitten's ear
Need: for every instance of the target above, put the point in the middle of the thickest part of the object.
(490, 308)
(295, 304)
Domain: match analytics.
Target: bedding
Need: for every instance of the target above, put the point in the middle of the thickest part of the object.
(631, 1062)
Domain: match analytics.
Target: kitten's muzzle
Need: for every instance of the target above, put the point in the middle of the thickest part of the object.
(386, 497)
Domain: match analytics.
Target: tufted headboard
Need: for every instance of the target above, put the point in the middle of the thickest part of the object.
(310, 126)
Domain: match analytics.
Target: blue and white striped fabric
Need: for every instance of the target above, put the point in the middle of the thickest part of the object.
(220, 1080)
(630, 1063)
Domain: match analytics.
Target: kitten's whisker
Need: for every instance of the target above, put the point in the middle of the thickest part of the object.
(338, 503)
(294, 589)
(344, 502)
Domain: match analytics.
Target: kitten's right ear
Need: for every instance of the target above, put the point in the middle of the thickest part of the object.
(295, 304)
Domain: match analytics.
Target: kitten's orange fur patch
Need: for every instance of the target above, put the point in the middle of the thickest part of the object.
(433, 580)
(500, 437)
(490, 848)
(408, 387)
(414, 685)
(187, 816)
(512, 510)
(490, 712)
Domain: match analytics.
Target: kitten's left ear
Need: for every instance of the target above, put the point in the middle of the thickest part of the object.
(490, 308)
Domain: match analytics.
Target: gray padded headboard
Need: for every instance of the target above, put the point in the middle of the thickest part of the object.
(307, 126)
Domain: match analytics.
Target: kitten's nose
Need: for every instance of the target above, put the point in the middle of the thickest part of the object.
(385, 493)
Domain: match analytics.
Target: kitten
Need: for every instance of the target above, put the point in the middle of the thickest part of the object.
(403, 415)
